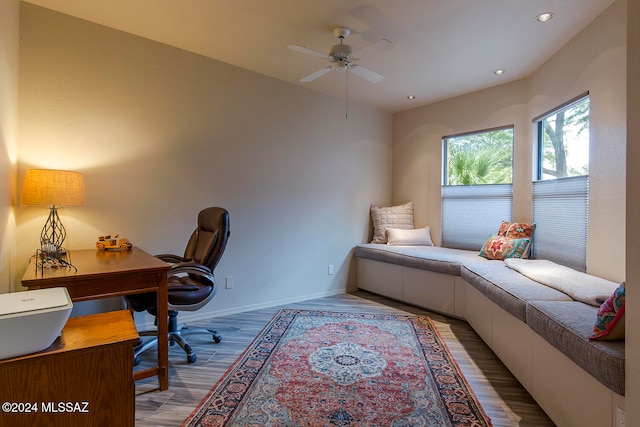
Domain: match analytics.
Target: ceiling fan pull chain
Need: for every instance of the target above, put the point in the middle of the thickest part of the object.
(346, 99)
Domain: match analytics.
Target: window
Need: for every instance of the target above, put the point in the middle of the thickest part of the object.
(560, 187)
(476, 186)
(563, 141)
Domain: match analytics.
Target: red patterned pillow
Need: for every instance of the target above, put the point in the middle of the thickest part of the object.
(504, 226)
(520, 230)
(610, 319)
(500, 247)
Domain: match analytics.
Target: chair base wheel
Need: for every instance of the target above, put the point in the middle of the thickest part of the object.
(175, 337)
(191, 356)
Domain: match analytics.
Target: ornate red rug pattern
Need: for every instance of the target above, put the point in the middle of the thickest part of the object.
(321, 368)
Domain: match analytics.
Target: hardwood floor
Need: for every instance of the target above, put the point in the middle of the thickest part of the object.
(503, 398)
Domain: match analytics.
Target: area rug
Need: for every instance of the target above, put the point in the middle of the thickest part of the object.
(322, 368)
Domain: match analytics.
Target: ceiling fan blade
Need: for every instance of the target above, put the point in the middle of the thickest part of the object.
(315, 75)
(379, 46)
(307, 51)
(366, 73)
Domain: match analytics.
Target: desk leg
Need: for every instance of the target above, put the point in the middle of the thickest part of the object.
(163, 332)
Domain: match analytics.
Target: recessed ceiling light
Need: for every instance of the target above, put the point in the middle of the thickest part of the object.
(411, 97)
(498, 72)
(544, 17)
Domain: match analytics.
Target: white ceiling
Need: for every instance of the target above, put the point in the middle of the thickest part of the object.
(441, 48)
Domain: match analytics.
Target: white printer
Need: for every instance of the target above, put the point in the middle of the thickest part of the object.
(31, 321)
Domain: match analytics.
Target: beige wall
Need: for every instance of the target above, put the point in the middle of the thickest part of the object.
(417, 147)
(9, 46)
(593, 61)
(161, 133)
(632, 314)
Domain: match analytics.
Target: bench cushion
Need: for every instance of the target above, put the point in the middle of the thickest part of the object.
(507, 288)
(567, 325)
(432, 258)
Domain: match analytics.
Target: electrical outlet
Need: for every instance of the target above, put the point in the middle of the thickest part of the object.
(620, 417)
(330, 269)
(228, 282)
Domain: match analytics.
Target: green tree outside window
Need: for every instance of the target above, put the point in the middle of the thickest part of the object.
(564, 145)
(480, 158)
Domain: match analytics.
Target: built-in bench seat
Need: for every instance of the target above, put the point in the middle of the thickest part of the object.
(432, 258)
(567, 326)
(540, 333)
(426, 276)
(508, 288)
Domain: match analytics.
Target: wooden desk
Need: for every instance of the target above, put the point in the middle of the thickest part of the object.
(108, 274)
(83, 379)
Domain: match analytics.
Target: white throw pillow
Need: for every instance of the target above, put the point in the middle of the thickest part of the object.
(417, 237)
(400, 216)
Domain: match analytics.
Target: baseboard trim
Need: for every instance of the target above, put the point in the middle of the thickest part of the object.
(186, 316)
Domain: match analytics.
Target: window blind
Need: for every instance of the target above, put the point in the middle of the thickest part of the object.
(472, 213)
(560, 211)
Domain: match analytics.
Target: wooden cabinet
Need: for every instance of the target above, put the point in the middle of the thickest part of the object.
(105, 274)
(84, 379)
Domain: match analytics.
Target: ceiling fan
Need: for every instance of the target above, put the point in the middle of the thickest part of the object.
(342, 57)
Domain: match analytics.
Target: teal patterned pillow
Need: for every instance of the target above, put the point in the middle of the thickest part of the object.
(610, 318)
(500, 247)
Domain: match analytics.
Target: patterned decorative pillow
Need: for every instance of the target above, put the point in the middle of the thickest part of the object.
(520, 230)
(610, 318)
(504, 226)
(400, 216)
(500, 247)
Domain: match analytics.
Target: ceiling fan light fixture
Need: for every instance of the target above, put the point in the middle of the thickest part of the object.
(341, 52)
(341, 65)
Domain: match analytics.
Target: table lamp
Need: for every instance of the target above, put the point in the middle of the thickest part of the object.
(54, 188)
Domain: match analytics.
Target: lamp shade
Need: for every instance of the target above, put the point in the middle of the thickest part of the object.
(53, 188)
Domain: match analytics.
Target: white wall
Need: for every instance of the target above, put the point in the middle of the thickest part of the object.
(9, 42)
(632, 313)
(417, 147)
(161, 133)
(593, 61)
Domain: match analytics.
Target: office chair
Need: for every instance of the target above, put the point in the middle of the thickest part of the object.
(190, 280)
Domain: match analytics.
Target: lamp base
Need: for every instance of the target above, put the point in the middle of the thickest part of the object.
(49, 250)
(58, 259)
(53, 233)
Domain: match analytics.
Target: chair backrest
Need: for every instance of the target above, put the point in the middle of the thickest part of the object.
(209, 240)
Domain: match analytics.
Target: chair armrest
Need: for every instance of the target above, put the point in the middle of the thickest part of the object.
(189, 267)
(171, 259)
(194, 270)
